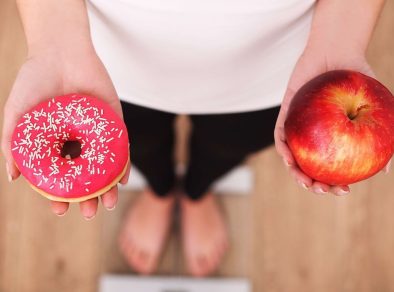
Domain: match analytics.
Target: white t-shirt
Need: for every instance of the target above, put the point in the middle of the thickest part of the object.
(200, 56)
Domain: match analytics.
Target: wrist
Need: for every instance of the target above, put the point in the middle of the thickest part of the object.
(63, 48)
(337, 50)
(50, 28)
(344, 27)
(330, 43)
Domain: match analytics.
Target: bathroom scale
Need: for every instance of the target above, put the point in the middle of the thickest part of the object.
(132, 283)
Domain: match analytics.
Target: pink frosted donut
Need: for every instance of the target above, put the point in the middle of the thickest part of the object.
(71, 148)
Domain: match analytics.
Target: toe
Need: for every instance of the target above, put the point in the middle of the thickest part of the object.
(143, 262)
(198, 265)
(127, 247)
(215, 258)
(221, 249)
(225, 245)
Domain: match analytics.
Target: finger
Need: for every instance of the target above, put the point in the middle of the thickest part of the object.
(284, 151)
(320, 188)
(386, 169)
(59, 208)
(280, 138)
(89, 208)
(125, 178)
(9, 123)
(340, 190)
(301, 178)
(281, 145)
(110, 198)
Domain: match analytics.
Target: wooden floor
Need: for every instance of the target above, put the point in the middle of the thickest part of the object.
(284, 239)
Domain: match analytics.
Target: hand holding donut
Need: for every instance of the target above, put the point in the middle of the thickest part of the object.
(51, 74)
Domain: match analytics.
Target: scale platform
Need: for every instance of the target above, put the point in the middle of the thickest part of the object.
(239, 181)
(129, 283)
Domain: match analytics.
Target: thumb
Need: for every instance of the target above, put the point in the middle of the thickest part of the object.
(9, 122)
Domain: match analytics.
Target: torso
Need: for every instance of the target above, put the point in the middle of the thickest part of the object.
(200, 56)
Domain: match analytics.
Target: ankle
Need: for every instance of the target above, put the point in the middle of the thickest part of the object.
(204, 199)
(154, 198)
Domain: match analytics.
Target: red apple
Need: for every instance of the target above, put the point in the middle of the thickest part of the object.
(340, 127)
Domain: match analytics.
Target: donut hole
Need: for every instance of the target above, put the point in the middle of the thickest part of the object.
(71, 149)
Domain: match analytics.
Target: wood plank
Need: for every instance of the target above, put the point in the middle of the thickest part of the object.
(283, 238)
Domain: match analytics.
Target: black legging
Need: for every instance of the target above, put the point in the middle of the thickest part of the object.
(218, 143)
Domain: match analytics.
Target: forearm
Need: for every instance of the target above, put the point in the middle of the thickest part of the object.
(344, 25)
(55, 24)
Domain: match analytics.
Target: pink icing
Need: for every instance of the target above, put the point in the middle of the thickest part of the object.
(40, 134)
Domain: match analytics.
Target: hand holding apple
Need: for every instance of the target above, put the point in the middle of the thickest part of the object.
(313, 62)
(340, 127)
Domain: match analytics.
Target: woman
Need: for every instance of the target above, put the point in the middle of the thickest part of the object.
(225, 63)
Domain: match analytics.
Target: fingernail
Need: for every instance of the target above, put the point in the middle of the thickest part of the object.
(111, 208)
(342, 192)
(286, 162)
(387, 169)
(9, 176)
(321, 191)
(303, 185)
(60, 215)
(90, 218)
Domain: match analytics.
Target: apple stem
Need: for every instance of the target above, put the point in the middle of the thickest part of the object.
(353, 114)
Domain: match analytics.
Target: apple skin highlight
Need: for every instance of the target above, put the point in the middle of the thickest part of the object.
(340, 127)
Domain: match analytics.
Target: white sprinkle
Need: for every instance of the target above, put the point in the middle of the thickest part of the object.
(120, 133)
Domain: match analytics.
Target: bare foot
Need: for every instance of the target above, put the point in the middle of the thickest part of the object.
(204, 234)
(145, 231)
